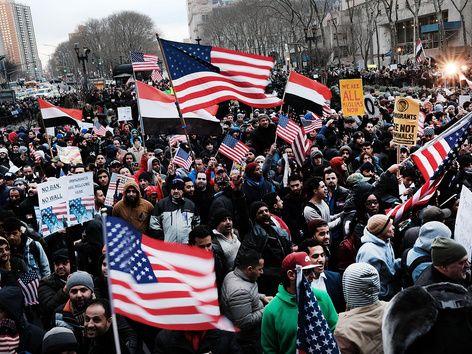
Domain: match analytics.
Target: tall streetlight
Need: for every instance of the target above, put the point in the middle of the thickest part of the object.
(310, 36)
(198, 40)
(82, 58)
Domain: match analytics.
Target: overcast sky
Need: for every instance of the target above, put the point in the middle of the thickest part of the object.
(55, 19)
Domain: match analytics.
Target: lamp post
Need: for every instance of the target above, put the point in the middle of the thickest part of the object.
(399, 51)
(82, 58)
(310, 36)
(198, 40)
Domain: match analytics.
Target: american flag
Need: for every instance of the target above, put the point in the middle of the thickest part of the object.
(204, 76)
(326, 110)
(162, 284)
(300, 146)
(313, 333)
(99, 129)
(156, 76)
(432, 157)
(48, 216)
(432, 166)
(9, 343)
(69, 154)
(311, 122)
(233, 148)
(144, 62)
(175, 139)
(29, 283)
(287, 129)
(421, 120)
(75, 204)
(183, 158)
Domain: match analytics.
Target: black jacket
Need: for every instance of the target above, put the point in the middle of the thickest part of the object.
(51, 295)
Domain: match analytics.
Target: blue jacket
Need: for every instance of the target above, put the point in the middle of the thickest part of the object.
(334, 288)
(379, 254)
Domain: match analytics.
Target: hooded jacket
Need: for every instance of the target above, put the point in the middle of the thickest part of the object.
(137, 215)
(379, 254)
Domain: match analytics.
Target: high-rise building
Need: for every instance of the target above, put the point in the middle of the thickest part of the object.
(18, 39)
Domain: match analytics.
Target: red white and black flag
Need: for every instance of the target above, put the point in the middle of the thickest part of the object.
(305, 93)
(54, 116)
(419, 51)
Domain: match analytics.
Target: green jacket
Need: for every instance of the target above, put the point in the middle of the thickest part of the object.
(279, 321)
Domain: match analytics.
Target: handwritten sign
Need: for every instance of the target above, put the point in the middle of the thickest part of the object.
(464, 220)
(124, 114)
(405, 121)
(81, 199)
(352, 97)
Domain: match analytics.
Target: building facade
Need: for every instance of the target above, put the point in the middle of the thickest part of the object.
(18, 38)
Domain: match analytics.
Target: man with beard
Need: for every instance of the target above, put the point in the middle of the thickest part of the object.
(264, 135)
(202, 196)
(79, 290)
(16, 196)
(133, 208)
(292, 213)
(52, 289)
(189, 188)
(29, 174)
(269, 240)
(27, 212)
(174, 216)
(225, 236)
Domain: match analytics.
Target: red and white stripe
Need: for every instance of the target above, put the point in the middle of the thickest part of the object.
(243, 77)
(9, 343)
(185, 295)
(88, 203)
(156, 76)
(289, 132)
(422, 196)
(316, 124)
(149, 63)
(99, 129)
(429, 158)
(55, 115)
(300, 146)
(177, 139)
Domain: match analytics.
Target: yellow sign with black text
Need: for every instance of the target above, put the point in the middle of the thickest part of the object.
(352, 97)
(405, 121)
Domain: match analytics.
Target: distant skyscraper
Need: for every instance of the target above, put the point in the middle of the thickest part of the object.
(18, 39)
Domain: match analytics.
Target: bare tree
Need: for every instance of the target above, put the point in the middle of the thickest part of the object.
(460, 9)
(390, 7)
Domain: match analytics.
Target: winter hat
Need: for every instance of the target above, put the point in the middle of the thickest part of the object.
(255, 206)
(12, 137)
(23, 149)
(315, 154)
(59, 339)
(429, 231)
(4, 150)
(250, 168)
(336, 163)
(219, 215)
(354, 179)
(80, 278)
(367, 166)
(428, 131)
(361, 285)
(445, 251)
(378, 224)
(438, 108)
(433, 213)
(345, 148)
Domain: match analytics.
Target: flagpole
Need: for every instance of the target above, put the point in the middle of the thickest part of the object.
(114, 324)
(177, 105)
(140, 118)
(48, 137)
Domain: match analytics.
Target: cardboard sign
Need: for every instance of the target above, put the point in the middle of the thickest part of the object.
(124, 114)
(464, 220)
(69, 154)
(405, 121)
(352, 97)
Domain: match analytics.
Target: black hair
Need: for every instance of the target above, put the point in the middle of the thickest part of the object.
(12, 224)
(294, 177)
(200, 231)
(270, 199)
(308, 243)
(247, 257)
(312, 184)
(104, 303)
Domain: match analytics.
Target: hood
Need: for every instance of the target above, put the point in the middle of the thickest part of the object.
(11, 300)
(369, 237)
(149, 164)
(428, 232)
(286, 297)
(131, 183)
(93, 232)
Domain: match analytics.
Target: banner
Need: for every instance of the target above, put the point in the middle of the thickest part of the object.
(115, 189)
(464, 220)
(124, 114)
(371, 109)
(352, 97)
(69, 154)
(65, 201)
(405, 121)
(81, 198)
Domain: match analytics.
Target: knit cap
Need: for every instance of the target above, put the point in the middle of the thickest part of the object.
(255, 206)
(59, 339)
(378, 224)
(361, 285)
(80, 278)
(336, 162)
(445, 251)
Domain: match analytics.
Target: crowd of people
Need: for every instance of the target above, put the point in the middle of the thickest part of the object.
(260, 221)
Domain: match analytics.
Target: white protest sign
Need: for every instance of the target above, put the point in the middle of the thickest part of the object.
(371, 108)
(115, 189)
(463, 99)
(81, 199)
(462, 232)
(124, 114)
(53, 205)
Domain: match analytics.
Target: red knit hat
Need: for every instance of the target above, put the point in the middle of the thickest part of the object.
(336, 163)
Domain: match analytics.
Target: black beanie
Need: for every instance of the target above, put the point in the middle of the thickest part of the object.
(255, 206)
(219, 215)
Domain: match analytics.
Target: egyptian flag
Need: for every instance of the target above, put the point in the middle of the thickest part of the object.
(419, 50)
(54, 116)
(304, 93)
(160, 115)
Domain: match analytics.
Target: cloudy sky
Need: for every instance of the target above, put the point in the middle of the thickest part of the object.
(55, 19)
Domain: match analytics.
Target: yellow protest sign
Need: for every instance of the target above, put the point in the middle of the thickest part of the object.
(352, 97)
(405, 121)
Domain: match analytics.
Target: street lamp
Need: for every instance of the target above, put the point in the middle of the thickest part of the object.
(399, 51)
(198, 40)
(310, 36)
(82, 58)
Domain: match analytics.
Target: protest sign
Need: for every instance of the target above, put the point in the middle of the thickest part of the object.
(463, 99)
(115, 189)
(124, 114)
(69, 154)
(463, 226)
(52, 197)
(81, 199)
(371, 107)
(352, 97)
(405, 121)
